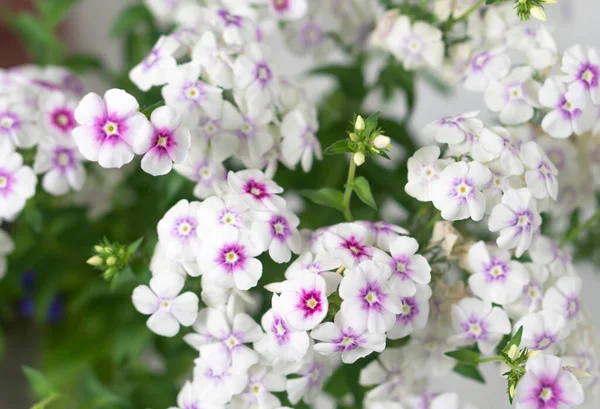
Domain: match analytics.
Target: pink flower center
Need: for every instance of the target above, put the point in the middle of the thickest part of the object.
(310, 302)
(256, 189)
(232, 257)
(63, 119)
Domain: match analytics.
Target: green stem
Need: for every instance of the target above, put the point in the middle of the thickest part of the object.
(468, 12)
(348, 191)
(492, 359)
(573, 234)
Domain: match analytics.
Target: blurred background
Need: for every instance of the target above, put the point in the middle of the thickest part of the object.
(87, 30)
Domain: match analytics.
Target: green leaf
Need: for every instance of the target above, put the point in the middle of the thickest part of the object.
(326, 196)
(469, 372)
(395, 77)
(363, 190)
(134, 246)
(40, 41)
(34, 218)
(82, 63)
(130, 18)
(515, 340)
(465, 356)
(39, 383)
(55, 11)
(338, 147)
(350, 78)
(130, 343)
(371, 123)
(46, 402)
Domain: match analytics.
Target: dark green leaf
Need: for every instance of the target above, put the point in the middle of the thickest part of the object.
(338, 147)
(397, 343)
(82, 63)
(371, 123)
(55, 11)
(465, 356)
(395, 77)
(515, 340)
(46, 401)
(130, 342)
(130, 18)
(34, 218)
(326, 197)
(350, 78)
(39, 384)
(363, 190)
(469, 372)
(134, 246)
(40, 41)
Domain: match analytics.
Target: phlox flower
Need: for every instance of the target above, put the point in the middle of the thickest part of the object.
(288, 9)
(300, 143)
(457, 191)
(533, 293)
(541, 172)
(347, 337)
(262, 381)
(547, 252)
(409, 269)
(389, 374)
(254, 76)
(416, 45)
(177, 231)
(542, 330)
(368, 297)
(278, 233)
(414, 314)
(486, 66)
(514, 96)
(228, 259)
(218, 378)
(256, 190)
(108, 127)
(582, 71)
(500, 183)
(308, 36)
(546, 385)
(564, 298)
(498, 142)
(321, 264)
(281, 340)
(59, 159)
(427, 350)
(227, 335)
(191, 396)
(201, 335)
(17, 126)
(186, 93)
(454, 129)
(169, 142)
(496, 278)
(7, 246)
(424, 168)
(352, 243)
(155, 68)
(57, 113)
(303, 302)
(235, 26)
(216, 137)
(472, 147)
(202, 169)
(255, 137)
(385, 233)
(17, 184)
(164, 11)
(166, 308)
(309, 385)
(517, 220)
(228, 210)
(566, 117)
(230, 300)
(476, 321)
(215, 60)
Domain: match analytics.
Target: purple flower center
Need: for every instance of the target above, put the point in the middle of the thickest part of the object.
(232, 257)
(372, 297)
(194, 91)
(547, 394)
(462, 190)
(544, 170)
(480, 60)
(64, 158)
(413, 45)
(544, 341)
(281, 5)
(315, 374)
(410, 309)
(6, 181)
(229, 19)
(184, 228)
(496, 270)
(263, 74)
(280, 330)
(230, 217)
(476, 328)
(63, 119)
(572, 307)
(311, 34)
(358, 251)
(151, 59)
(280, 228)
(588, 75)
(8, 121)
(163, 141)
(349, 340)
(401, 266)
(310, 302)
(256, 189)
(567, 110)
(209, 127)
(247, 131)
(523, 220)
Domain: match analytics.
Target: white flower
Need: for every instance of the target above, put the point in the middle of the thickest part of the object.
(109, 127)
(57, 114)
(303, 302)
(454, 129)
(313, 374)
(567, 117)
(347, 337)
(193, 396)
(533, 293)
(17, 126)
(414, 314)
(221, 334)
(186, 93)
(228, 210)
(278, 233)
(546, 385)
(253, 75)
(320, 264)
(230, 300)
(352, 243)
(496, 278)
(514, 96)
(288, 9)
(155, 68)
(541, 173)
(218, 378)
(564, 298)
(257, 395)
(236, 26)
(476, 321)
(582, 73)
(409, 269)
(59, 159)
(217, 137)
(390, 375)
(17, 184)
(385, 233)
(424, 168)
(543, 54)
(368, 297)
(177, 231)
(256, 190)
(416, 45)
(498, 142)
(166, 309)
(541, 330)
(202, 169)
(517, 220)
(457, 191)
(169, 142)
(228, 259)
(214, 59)
(547, 252)
(427, 350)
(300, 143)
(486, 66)
(7, 246)
(255, 136)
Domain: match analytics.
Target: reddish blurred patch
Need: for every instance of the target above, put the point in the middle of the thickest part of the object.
(13, 52)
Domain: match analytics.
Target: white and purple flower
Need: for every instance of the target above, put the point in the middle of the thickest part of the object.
(258, 191)
(582, 72)
(541, 174)
(514, 97)
(303, 302)
(155, 68)
(58, 158)
(278, 233)
(409, 269)
(17, 184)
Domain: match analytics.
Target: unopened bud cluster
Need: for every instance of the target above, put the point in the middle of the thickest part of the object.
(110, 258)
(367, 139)
(532, 8)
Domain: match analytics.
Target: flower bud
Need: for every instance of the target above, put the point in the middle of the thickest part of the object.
(382, 142)
(353, 137)
(511, 391)
(111, 261)
(359, 158)
(531, 354)
(98, 249)
(274, 288)
(538, 13)
(94, 261)
(513, 352)
(359, 125)
(578, 373)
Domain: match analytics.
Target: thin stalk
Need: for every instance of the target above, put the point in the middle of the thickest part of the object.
(348, 191)
(573, 234)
